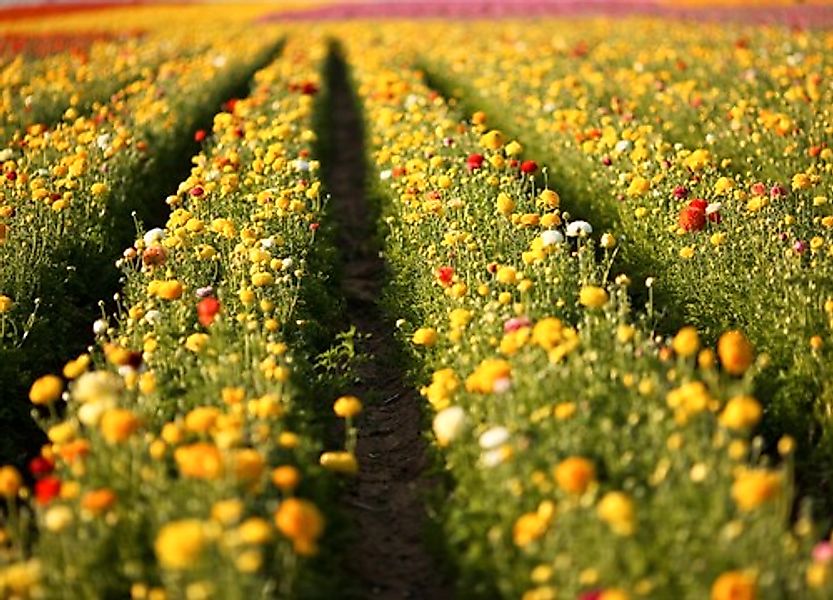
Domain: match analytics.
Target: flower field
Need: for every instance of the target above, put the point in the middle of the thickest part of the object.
(347, 301)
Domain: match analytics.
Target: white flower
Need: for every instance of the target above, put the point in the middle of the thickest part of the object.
(449, 424)
(90, 413)
(495, 457)
(502, 385)
(713, 207)
(99, 327)
(267, 243)
(577, 228)
(154, 235)
(550, 237)
(301, 165)
(6, 154)
(219, 61)
(623, 146)
(493, 437)
(58, 518)
(98, 387)
(153, 316)
(385, 175)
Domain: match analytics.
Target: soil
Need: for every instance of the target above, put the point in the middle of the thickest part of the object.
(387, 499)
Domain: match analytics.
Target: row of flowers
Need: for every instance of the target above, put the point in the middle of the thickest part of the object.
(587, 457)
(68, 192)
(708, 152)
(185, 463)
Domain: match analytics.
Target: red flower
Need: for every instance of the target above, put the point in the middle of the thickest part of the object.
(46, 489)
(474, 161)
(309, 88)
(199, 135)
(40, 466)
(529, 167)
(445, 275)
(207, 309)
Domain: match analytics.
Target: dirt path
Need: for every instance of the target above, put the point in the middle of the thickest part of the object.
(387, 500)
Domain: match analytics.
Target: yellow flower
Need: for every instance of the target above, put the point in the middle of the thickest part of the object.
(46, 390)
(492, 140)
(575, 474)
(347, 407)
(227, 512)
(548, 333)
(340, 462)
(550, 199)
(196, 342)
(638, 186)
(741, 412)
(169, 290)
(75, 368)
(528, 528)
(616, 509)
(255, 531)
(734, 585)
(735, 352)
(302, 522)
(6, 304)
(723, 185)
(425, 336)
(593, 296)
(505, 204)
(686, 343)
(179, 544)
(488, 375)
(513, 148)
(753, 487)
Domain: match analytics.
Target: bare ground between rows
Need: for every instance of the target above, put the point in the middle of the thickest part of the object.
(386, 501)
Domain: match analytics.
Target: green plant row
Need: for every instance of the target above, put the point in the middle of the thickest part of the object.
(726, 247)
(68, 193)
(186, 464)
(586, 458)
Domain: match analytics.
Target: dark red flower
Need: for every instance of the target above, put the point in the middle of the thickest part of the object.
(207, 309)
(40, 466)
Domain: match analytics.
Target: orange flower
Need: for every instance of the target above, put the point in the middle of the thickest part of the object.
(98, 501)
(200, 460)
(575, 474)
(118, 424)
(301, 522)
(734, 585)
(735, 352)
(753, 487)
(10, 481)
(46, 390)
(286, 478)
